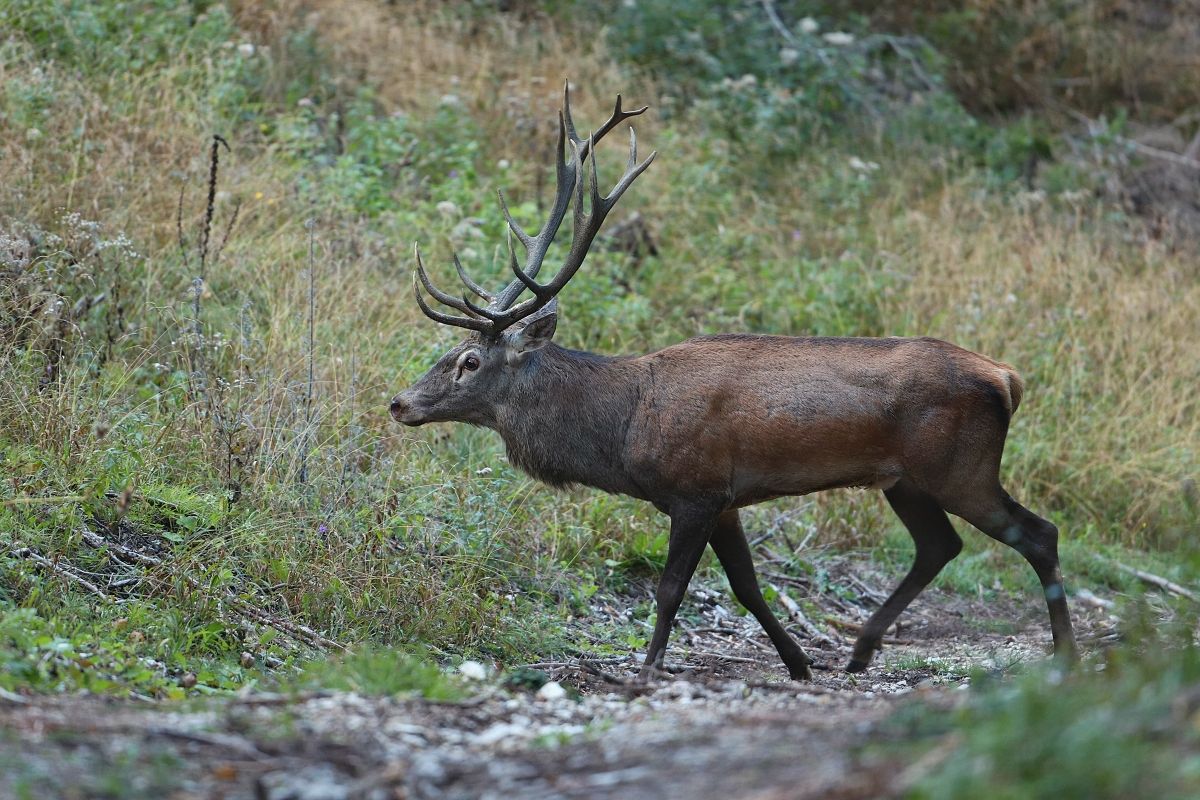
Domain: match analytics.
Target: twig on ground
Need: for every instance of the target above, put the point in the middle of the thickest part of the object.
(13, 697)
(1089, 599)
(1156, 580)
(223, 740)
(61, 568)
(592, 669)
(798, 615)
(721, 656)
(302, 633)
(1095, 128)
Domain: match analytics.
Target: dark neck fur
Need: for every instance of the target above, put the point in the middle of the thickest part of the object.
(565, 419)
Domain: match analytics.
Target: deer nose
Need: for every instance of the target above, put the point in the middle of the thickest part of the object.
(397, 407)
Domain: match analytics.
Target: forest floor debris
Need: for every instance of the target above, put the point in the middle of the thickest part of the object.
(726, 723)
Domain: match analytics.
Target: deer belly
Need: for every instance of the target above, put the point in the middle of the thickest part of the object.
(804, 463)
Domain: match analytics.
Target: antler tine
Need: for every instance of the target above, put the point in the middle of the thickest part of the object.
(419, 274)
(470, 284)
(525, 238)
(567, 179)
(483, 326)
(618, 116)
(586, 226)
(438, 294)
(587, 221)
(565, 114)
(632, 171)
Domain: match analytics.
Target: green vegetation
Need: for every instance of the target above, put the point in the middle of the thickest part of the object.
(1124, 727)
(818, 173)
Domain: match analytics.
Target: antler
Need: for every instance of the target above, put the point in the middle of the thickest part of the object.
(500, 312)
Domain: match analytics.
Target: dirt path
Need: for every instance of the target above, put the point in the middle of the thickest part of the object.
(728, 724)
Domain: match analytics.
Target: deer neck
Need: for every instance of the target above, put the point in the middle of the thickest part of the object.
(566, 418)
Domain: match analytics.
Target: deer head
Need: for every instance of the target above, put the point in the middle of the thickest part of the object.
(469, 381)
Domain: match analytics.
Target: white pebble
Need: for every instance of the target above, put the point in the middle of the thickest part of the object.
(552, 691)
(472, 670)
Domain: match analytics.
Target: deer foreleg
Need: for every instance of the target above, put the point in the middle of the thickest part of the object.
(729, 543)
(690, 532)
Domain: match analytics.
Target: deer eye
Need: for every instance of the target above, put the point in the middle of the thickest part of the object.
(470, 363)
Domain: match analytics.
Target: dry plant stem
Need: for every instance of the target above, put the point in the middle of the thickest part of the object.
(233, 218)
(206, 228)
(308, 397)
(183, 242)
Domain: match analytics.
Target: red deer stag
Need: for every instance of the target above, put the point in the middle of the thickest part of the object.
(706, 427)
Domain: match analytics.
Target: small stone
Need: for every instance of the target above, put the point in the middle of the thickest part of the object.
(188, 680)
(472, 670)
(552, 690)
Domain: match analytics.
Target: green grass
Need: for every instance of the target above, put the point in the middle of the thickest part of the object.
(1121, 726)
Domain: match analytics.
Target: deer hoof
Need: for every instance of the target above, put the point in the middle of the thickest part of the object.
(856, 665)
(801, 673)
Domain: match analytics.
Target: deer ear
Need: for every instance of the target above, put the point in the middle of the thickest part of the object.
(531, 334)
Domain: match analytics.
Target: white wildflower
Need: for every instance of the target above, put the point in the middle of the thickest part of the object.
(788, 56)
(839, 38)
(858, 165)
(450, 101)
(503, 163)
(305, 102)
(447, 209)
(809, 25)
(245, 49)
(33, 134)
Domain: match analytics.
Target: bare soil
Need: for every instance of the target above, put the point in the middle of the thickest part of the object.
(726, 724)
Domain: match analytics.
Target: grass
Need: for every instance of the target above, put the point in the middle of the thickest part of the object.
(1124, 726)
(380, 125)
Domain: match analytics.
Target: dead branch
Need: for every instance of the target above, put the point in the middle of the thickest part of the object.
(592, 669)
(798, 615)
(62, 569)
(301, 633)
(224, 741)
(1160, 582)
(13, 697)
(720, 656)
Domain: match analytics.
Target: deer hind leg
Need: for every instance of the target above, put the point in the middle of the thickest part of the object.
(729, 543)
(936, 546)
(1007, 521)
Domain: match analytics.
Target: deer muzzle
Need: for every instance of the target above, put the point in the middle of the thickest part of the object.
(403, 410)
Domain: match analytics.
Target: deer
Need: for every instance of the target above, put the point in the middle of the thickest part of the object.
(706, 427)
